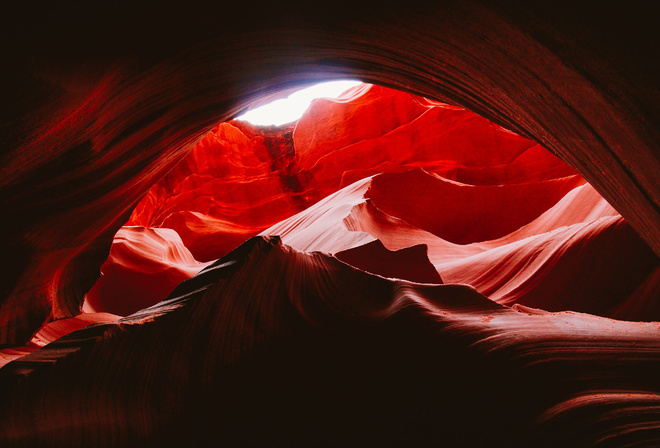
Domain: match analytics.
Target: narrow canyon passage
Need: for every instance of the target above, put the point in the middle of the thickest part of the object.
(398, 236)
(491, 209)
(461, 251)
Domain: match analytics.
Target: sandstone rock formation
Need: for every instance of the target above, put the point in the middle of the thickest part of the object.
(466, 288)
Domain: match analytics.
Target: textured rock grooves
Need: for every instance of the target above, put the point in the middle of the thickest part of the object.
(437, 279)
(323, 355)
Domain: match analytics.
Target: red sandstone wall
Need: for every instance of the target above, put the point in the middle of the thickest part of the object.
(99, 104)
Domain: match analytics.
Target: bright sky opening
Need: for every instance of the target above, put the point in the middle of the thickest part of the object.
(289, 109)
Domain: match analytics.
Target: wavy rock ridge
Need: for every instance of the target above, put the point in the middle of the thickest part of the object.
(324, 353)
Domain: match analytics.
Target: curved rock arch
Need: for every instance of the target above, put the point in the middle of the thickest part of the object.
(106, 102)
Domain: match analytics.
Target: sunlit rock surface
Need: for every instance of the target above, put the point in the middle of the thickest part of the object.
(95, 117)
(549, 263)
(144, 266)
(241, 179)
(279, 345)
(400, 290)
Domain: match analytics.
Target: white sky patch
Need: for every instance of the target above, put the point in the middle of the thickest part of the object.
(289, 109)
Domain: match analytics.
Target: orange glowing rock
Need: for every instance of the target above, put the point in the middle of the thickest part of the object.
(241, 179)
(480, 204)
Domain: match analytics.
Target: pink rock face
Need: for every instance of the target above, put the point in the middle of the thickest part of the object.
(144, 266)
(554, 262)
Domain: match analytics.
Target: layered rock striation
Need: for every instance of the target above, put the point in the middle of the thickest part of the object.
(421, 275)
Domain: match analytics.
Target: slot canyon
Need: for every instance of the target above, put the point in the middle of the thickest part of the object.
(460, 250)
